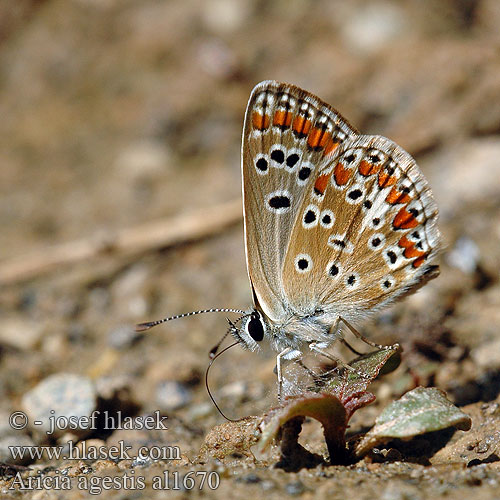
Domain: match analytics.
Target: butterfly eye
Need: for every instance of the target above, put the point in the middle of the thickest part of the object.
(255, 328)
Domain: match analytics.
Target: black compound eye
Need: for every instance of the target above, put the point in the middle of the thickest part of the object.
(255, 328)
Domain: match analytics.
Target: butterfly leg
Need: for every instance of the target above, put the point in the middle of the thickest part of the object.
(334, 330)
(364, 339)
(350, 347)
(308, 370)
(288, 354)
(318, 348)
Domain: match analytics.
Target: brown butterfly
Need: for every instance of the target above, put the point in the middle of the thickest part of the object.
(337, 224)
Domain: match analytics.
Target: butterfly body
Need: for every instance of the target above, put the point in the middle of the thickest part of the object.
(295, 332)
(337, 224)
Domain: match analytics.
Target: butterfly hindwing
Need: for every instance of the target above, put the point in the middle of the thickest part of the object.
(365, 233)
(289, 134)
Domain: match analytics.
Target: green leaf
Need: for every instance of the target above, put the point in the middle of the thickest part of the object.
(364, 370)
(419, 411)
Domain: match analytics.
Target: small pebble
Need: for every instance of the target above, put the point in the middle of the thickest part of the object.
(15, 440)
(123, 337)
(295, 488)
(20, 333)
(487, 355)
(234, 390)
(143, 159)
(374, 27)
(267, 485)
(5, 427)
(111, 387)
(57, 399)
(464, 255)
(251, 478)
(172, 395)
(200, 411)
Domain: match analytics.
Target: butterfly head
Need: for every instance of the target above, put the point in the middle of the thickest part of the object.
(252, 331)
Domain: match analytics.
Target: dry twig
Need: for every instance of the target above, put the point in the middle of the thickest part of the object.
(123, 242)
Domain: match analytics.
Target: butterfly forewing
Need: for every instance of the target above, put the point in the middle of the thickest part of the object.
(289, 134)
(365, 232)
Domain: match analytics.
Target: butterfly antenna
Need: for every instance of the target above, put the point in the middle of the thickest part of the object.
(215, 348)
(213, 358)
(141, 327)
(232, 329)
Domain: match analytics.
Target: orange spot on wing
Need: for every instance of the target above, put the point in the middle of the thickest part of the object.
(394, 197)
(321, 183)
(259, 121)
(341, 174)
(410, 251)
(301, 125)
(404, 242)
(330, 146)
(318, 138)
(282, 118)
(365, 168)
(384, 179)
(404, 220)
(418, 262)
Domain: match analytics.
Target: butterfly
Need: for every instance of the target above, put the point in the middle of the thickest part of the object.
(337, 224)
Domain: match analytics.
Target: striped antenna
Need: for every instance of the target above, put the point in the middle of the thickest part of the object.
(141, 327)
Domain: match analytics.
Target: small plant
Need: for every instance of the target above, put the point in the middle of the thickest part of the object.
(417, 412)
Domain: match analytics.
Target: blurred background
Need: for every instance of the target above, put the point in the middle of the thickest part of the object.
(119, 113)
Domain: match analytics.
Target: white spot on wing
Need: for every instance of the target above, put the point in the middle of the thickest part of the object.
(331, 272)
(303, 263)
(376, 241)
(315, 210)
(352, 280)
(323, 219)
(258, 170)
(280, 193)
(387, 283)
(338, 242)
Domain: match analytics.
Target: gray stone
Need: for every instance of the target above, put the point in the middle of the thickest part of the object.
(20, 440)
(172, 395)
(61, 403)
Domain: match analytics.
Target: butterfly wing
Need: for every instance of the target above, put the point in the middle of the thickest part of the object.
(288, 134)
(365, 233)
